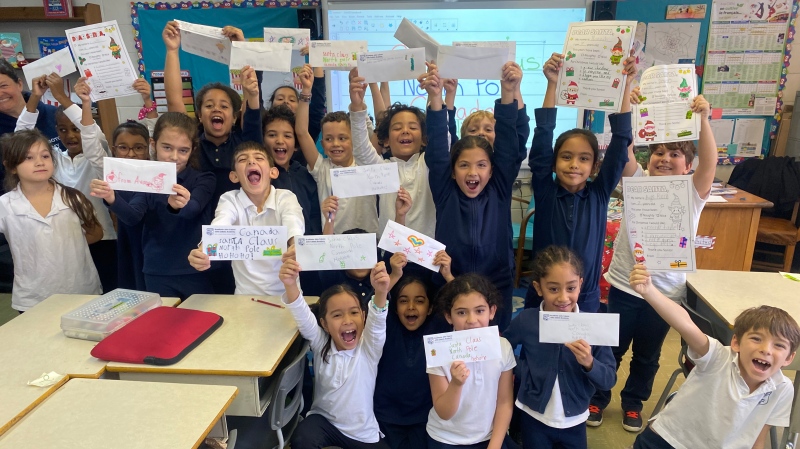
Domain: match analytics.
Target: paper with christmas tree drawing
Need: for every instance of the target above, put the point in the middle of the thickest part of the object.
(101, 57)
(659, 215)
(419, 248)
(594, 55)
(664, 112)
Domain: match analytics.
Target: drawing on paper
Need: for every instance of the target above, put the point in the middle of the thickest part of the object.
(617, 52)
(115, 50)
(638, 253)
(648, 132)
(673, 43)
(571, 93)
(684, 90)
(676, 210)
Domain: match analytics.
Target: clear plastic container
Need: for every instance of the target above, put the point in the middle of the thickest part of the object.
(98, 318)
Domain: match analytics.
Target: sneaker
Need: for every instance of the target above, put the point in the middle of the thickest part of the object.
(632, 421)
(595, 416)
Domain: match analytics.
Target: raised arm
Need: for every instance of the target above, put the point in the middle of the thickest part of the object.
(143, 87)
(27, 119)
(669, 310)
(317, 107)
(632, 166)
(304, 140)
(173, 86)
(506, 144)
(251, 124)
(707, 149)
(363, 151)
(437, 152)
(551, 68)
(91, 135)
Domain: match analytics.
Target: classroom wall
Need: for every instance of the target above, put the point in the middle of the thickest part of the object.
(119, 10)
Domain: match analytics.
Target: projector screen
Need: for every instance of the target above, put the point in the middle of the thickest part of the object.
(538, 33)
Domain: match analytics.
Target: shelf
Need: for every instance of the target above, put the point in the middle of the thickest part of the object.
(36, 14)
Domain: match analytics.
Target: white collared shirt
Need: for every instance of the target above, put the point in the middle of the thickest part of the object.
(260, 277)
(413, 177)
(345, 384)
(715, 409)
(358, 212)
(79, 171)
(50, 253)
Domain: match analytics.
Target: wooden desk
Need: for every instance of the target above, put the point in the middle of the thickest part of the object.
(724, 295)
(32, 344)
(734, 224)
(101, 414)
(251, 342)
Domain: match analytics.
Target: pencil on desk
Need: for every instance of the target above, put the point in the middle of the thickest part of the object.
(267, 303)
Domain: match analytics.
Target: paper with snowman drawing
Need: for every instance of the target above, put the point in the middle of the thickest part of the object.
(336, 252)
(205, 41)
(244, 242)
(659, 215)
(392, 65)
(664, 113)
(140, 176)
(473, 345)
(597, 329)
(594, 56)
(102, 58)
(419, 248)
(59, 63)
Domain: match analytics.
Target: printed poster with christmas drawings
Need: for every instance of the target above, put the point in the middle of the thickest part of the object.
(101, 57)
(664, 112)
(594, 56)
(659, 215)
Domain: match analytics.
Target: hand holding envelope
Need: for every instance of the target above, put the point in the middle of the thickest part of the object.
(412, 36)
(59, 63)
(394, 65)
(483, 63)
(264, 56)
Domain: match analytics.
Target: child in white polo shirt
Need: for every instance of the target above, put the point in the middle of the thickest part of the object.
(734, 394)
(257, 203)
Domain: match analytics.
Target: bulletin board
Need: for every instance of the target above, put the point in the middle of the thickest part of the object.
(251, 16)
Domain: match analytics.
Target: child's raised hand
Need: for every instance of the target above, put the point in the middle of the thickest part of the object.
(233, 33)
(458, 373)
(304, 51)
(39, 85)
(306, 76)
(443, 260)
(83, 91)
(403, 203)
(640, 279)
(398, 261)
(56, 86)
(180, 200)
(171, 36)
(142, 86)
(701, 106)
(290, 254)
(199, 260)
(249, 84)
(289, 272)
(511, 77)
(379, 279)
(430, 81)
(582, 352)
(330, 206)
(629, 68)
(450, 85)
(358, 89)
(636, 95)
(101, 189)
(552, 66)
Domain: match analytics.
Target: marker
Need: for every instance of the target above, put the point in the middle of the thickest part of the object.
(267, 303)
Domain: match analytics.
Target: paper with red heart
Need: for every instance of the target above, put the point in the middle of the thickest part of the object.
(59, 62)
(419, 248)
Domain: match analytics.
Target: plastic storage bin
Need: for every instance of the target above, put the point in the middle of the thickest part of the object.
(101, 316)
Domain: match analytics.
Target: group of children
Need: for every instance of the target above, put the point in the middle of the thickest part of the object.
(239, 165)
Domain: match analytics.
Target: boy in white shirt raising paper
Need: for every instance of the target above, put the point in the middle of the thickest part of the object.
(256, 203)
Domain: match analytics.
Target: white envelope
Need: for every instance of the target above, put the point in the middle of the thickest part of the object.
(264, 56)
(205, 41)
(244, 242)
(59, 62)
(482, 63)
(412, 36)
(474, 345)
(597, 329)
(336, 55)
(419, 248)
(393, 65)
(336, 252)
(140, 176)
(297, 37)
(510, 45)
(365, 180)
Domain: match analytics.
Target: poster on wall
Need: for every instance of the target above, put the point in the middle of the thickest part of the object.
(744, 56)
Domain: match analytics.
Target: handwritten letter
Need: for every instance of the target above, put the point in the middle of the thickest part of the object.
(244, 242)
(474, 345)
(664, 113)
(336, 252)
(659, 215)
(101, 57)
(419, 248)
(139, 176)
(594, 54)
(365, 180)
(597, 329)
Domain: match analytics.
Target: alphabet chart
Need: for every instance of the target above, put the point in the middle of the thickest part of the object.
(244, 242)
(594, 54)
(419, 248)
(473, 345)
(664, 113)
(659, 215)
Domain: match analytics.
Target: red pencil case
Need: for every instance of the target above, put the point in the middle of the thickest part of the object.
(162, 336)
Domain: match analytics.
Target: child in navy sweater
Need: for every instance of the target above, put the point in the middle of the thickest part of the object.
(571, 211)
(557, 381)
(472, 186)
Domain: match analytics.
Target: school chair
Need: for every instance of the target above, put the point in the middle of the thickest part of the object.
(287, 397)
(780, 232)
(523, 237)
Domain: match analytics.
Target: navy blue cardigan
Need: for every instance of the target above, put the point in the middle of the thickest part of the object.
(476, 231)
(540, 363)
(169, 235)
(300, 182)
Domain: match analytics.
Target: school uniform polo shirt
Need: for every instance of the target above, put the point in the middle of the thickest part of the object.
(715, 409)
(260, 277)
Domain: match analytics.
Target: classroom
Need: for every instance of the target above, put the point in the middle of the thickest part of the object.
(399, 224)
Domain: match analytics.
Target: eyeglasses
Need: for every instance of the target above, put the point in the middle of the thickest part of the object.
(123, 150)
